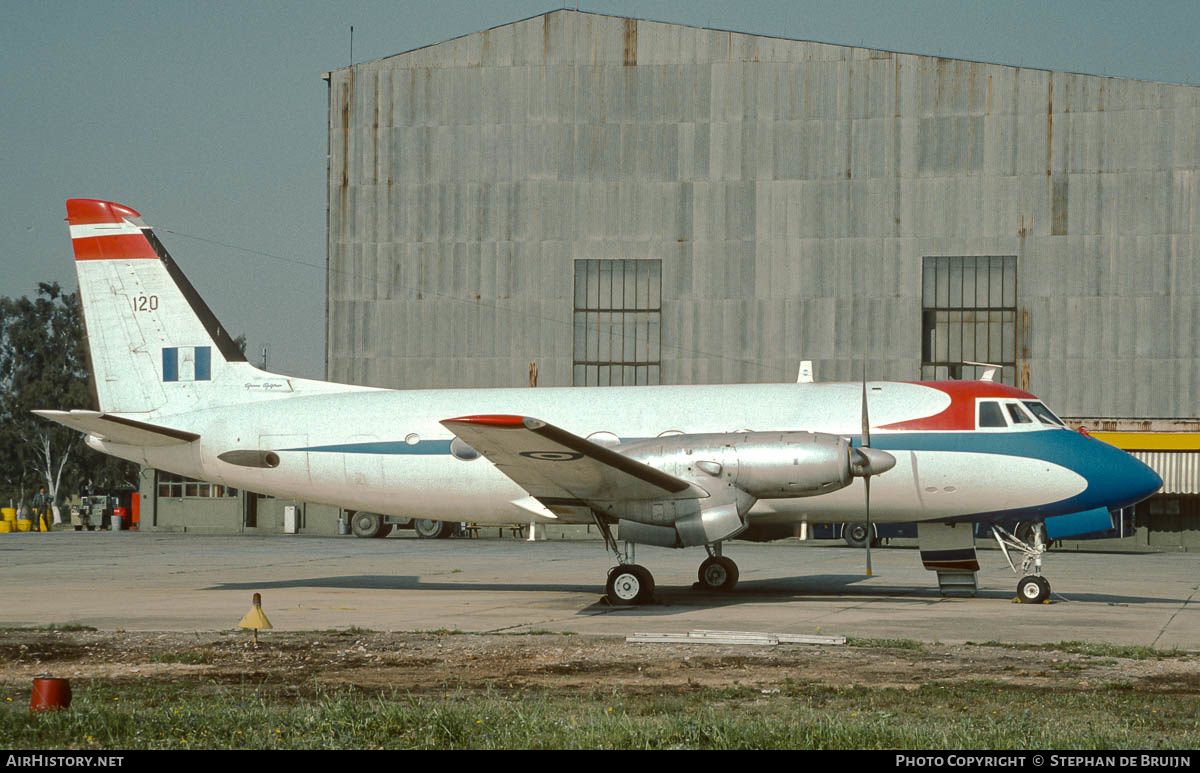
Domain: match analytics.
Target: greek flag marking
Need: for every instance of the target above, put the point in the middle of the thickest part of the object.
(187, 363)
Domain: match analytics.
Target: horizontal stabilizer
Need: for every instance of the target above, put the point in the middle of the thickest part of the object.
(116, 429)
(564, 470)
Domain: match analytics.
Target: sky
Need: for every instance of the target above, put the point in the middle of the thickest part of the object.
(209, 118)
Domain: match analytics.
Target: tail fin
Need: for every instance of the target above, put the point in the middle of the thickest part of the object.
(155, 346)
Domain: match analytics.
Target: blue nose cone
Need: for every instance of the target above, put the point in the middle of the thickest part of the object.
(1145, 480)
(1116, 479)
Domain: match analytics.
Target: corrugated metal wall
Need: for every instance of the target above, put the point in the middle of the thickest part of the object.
(791, 190)
(1180, 470)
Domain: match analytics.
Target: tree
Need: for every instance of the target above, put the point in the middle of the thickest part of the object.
(43, 364)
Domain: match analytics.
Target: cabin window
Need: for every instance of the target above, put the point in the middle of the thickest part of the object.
(968, 314)
(618, 319)
(990, 415)
(462, 451)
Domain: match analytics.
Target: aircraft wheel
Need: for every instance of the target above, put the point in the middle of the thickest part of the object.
(1033, 589)
(856, 535)
(369, 525)
(629, 584)
(718, 573)
(430, 529)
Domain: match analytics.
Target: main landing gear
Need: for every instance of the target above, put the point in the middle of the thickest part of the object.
(717, 573)
(631, 584)
(1033, 588)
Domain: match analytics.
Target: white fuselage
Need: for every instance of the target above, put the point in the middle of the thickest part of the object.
(385, 451)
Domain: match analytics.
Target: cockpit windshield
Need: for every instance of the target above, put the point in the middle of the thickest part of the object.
(1043, 413)
(1012, 415)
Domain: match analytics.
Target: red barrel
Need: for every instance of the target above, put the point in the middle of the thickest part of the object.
(50, 694)
(122, 513)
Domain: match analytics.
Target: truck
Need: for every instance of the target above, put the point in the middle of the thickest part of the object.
(376, 526)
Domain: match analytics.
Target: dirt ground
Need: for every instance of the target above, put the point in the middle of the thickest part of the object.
(432, 663)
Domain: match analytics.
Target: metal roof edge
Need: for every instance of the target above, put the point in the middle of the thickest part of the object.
(765, 36)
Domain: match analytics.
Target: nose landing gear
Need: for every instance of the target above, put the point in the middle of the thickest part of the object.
(1033, 588)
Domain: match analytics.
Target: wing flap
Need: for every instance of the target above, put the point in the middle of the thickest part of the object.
(563, 470)
(117, 429)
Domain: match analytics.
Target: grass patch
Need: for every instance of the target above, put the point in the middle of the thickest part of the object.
(353, 630)
(52, 627)
(187, 657)
(196, 714)
(1094, 649)
(531, 632)
(891, 644)
(442, 632)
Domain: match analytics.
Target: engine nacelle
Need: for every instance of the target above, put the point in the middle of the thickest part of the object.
(765, 465)
(736, 470)
(782, 465)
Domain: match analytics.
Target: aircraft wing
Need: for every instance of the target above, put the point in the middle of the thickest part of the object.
(118, 429)
(564, 470)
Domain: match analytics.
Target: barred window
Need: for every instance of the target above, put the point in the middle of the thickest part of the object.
(618, 317)
(969, 314)
(177, 486)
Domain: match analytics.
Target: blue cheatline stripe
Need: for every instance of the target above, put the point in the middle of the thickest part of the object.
(420, 448)
(1107, 470)
(1048, 445)
(170, 357)
(204, 363)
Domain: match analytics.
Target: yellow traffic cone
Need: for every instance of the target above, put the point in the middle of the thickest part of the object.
(255, 619)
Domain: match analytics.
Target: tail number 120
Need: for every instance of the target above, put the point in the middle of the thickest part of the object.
(144, 302)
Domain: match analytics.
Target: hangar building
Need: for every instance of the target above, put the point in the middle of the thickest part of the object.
(579, 199)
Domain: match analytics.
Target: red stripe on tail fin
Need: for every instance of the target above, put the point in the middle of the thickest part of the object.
(91, 211)
(102, 230)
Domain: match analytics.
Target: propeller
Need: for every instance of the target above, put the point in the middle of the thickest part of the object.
(866, 443)
(869, 461)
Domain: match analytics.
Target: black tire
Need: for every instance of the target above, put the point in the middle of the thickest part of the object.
(629, 585)
(856, 534)
(369, 525)
(718, 573)
(1033, 589)
(430, 529)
